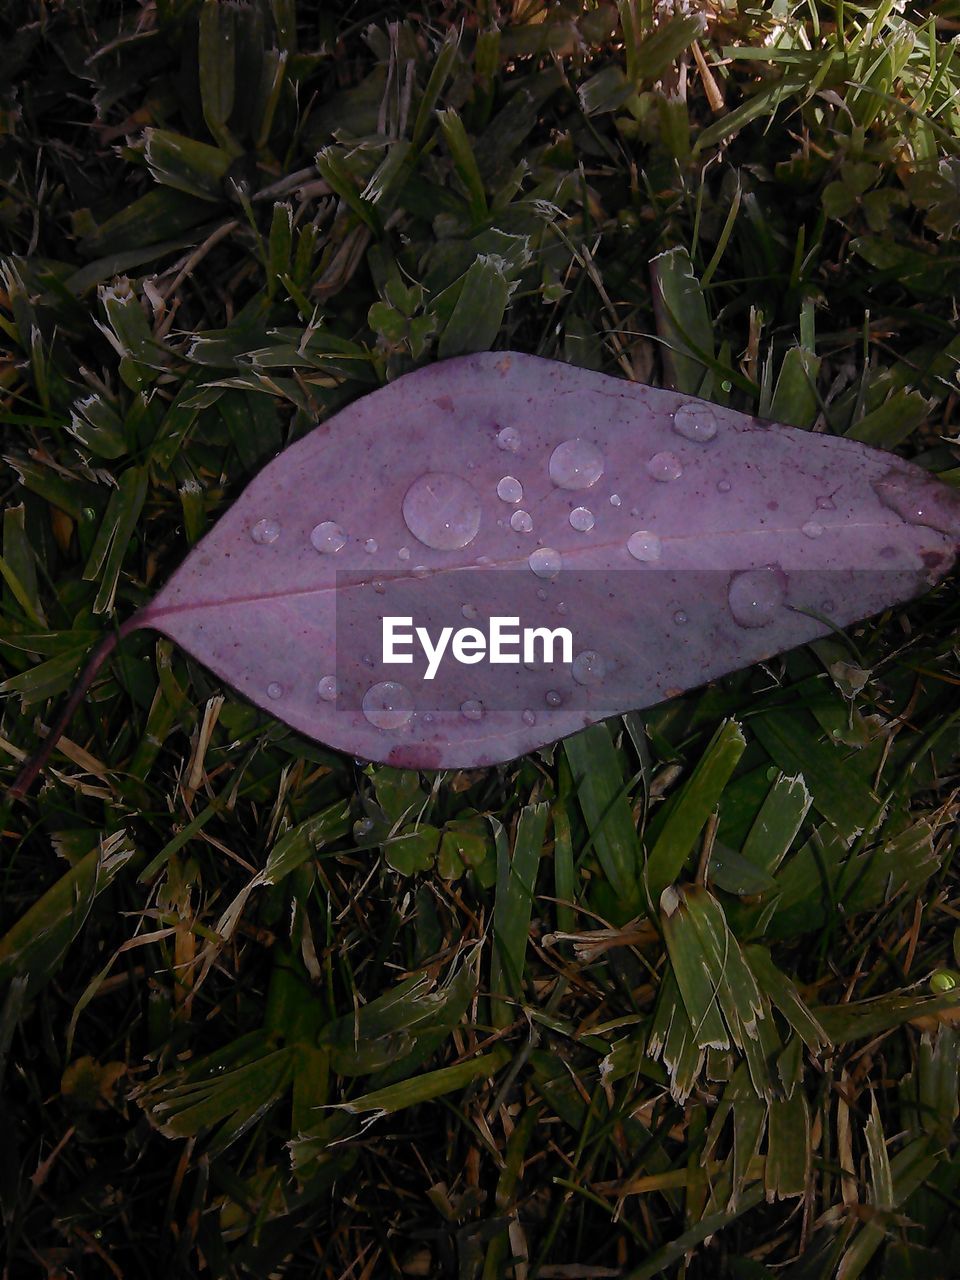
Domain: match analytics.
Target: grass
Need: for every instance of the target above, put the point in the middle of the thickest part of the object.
(267, 1010)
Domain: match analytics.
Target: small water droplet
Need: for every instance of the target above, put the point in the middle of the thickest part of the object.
(644, 545)
(723, 486)
(508, 439)
(388, 705)
(695, 422)
(826, 504)
(421, 571)
(379, 588)
(370, 545)
(545, 562)
(509, 489)
(588, 667)
(403, 553)
(562, 608)
(469, 611)
(553, 699)
(327, 537)
(615, 499)
(274, 689)
(754, 596)
(367, 660)
(680, 617)
(541, 594)
(811, 529)
(362, 827)
(442, 510)
(265, 531)
(528, 717)
(726, 385)
(581, 519)
(576, 464)
(521, 522)
(664, 467)
(327, 688)
(471, 709)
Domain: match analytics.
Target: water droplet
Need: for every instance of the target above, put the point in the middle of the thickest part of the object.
(644, 545)
(754, 596)
(581, 519)
(615, 499)
(588, 667)
(664, 466)
(723, 486)
(521, 522)
(508, 439)
(726, 385)
(545, 562)
(576, 464)
(695, 422)
(370, 545)
(442, 510)
(379, 588)
(367, 660)
(265, 532)
(327, 537)
(471, 709)
(510, 489)
(274, 690)
(421, 571)
(811, 529)
(680, 617)
(553, 698)
(469, 611)
(388, 705)
(362, 827)
(327, 688)
(528, 717)
(826, 504)
(403, 553)
(562, 608)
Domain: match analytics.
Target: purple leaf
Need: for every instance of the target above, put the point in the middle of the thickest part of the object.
(675, 540)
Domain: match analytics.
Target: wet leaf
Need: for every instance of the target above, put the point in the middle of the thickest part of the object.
(653, 528)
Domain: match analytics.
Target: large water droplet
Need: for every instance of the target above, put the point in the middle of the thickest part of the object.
(327, 688)
(545, 562)
(521, 522)
(388, 705)
(274, 689)
(754, 596)
(472, 709)
(664, 467)
(576, 464)
(812, 529)
(695, 422)
(265, 531)
(553, 699)
(588, 667)
(508, 439)
(327, 537)
(510, 489)
(370, 545)
(442, 510)
(528, 717)
(644, 545)
(581, 519)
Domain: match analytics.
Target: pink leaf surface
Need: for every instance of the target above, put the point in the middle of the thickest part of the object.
(675, 539)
